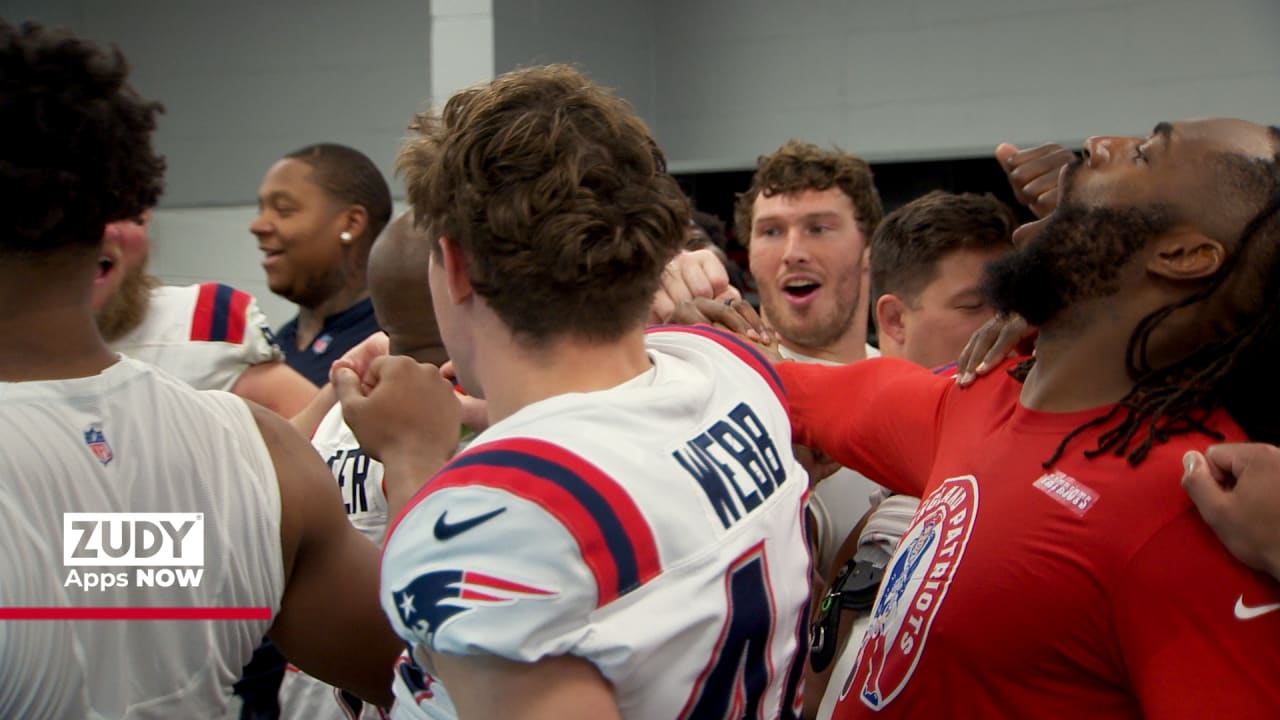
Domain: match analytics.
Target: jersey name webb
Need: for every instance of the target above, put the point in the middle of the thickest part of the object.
(735, 462)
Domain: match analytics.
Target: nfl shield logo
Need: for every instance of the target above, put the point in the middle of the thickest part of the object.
(97, 443)
(321, 344)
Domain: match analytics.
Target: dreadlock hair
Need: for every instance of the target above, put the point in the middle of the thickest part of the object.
(1228, 373)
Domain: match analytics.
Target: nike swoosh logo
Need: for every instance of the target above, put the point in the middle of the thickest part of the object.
(445, 529)
(1244, 612)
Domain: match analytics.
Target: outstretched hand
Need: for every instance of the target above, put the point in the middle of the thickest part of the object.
(991, 344)
(1236, 487)
(736, 316)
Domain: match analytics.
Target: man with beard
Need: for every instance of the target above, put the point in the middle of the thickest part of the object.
(806, 220)
(210, 336)
(1070, 574)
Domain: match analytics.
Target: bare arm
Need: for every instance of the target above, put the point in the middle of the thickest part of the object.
(309, 419)
(275, 386)
(330, 623)
(556, 688)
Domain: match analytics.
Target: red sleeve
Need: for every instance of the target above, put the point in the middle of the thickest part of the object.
(1199, 632)
(878, 416)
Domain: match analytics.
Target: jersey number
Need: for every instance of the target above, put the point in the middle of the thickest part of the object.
(735, 681)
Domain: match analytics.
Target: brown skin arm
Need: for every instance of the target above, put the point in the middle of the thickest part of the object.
(275, 386)
(330, 623)
(554, 688)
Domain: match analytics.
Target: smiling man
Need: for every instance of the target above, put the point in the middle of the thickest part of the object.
(1069, 573)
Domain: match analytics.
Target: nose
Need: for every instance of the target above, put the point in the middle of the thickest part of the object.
(795, 249)
(1097, 151)
(260, 226)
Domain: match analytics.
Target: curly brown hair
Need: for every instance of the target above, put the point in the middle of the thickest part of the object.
(78, 152)
(910, 241)
(796, 167)
(557, 196)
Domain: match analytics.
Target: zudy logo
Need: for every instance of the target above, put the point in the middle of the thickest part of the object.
(162, 549)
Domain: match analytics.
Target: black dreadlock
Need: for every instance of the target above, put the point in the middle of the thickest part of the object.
(1225, 373)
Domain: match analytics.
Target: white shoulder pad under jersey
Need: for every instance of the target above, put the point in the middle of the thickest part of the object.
(654, 529)
(205, 335)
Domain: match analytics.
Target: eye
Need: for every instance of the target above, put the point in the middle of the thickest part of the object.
(769, 232)
(819, 229)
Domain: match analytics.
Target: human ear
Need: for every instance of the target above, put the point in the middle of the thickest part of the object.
(457, 271)
(1186, 255)
(890, 320)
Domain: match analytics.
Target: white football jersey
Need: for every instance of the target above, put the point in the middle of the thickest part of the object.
(132, 440)
(654, 529)
(205, 335)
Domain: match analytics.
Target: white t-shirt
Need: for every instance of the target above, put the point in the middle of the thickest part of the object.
(131, 439)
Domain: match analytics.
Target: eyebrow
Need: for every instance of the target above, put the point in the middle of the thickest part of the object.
(1163, 129)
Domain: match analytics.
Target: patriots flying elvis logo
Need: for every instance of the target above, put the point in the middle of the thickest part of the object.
(431, 599)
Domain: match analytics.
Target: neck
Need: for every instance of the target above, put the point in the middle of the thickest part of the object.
(1080, 359)
(311, 319)
(48, 321)
(514, 376)
(850, 347)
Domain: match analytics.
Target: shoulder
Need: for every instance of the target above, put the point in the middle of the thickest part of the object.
(219, 313)
(552, 486)
(704, 339)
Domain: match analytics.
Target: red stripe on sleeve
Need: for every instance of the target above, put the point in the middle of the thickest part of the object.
(237, 317)
(633, 521)
(558, 503)
(202, 317)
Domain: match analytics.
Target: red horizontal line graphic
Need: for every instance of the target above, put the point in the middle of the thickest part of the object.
(135, 613)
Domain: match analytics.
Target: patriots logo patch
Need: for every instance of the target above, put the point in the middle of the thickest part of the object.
(97, 443)
(431, 599)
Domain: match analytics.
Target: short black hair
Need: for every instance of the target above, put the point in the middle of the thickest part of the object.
(350, 177)
(78, 152)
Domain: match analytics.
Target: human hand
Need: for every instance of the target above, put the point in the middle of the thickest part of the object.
(735, 315)
(360, 357)
(691, 274)
(475, 411)
(1236, 487)
(405, 415)
(989, 345)
(1033, 174)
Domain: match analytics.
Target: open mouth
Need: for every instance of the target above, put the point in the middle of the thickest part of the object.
(800, 288)
(105, 264)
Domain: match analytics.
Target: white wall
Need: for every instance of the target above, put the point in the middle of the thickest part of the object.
(244, 82)
(907, 79)
(612, 41)
(719, 81)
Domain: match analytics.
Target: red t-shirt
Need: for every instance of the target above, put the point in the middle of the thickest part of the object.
(1089, 589)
